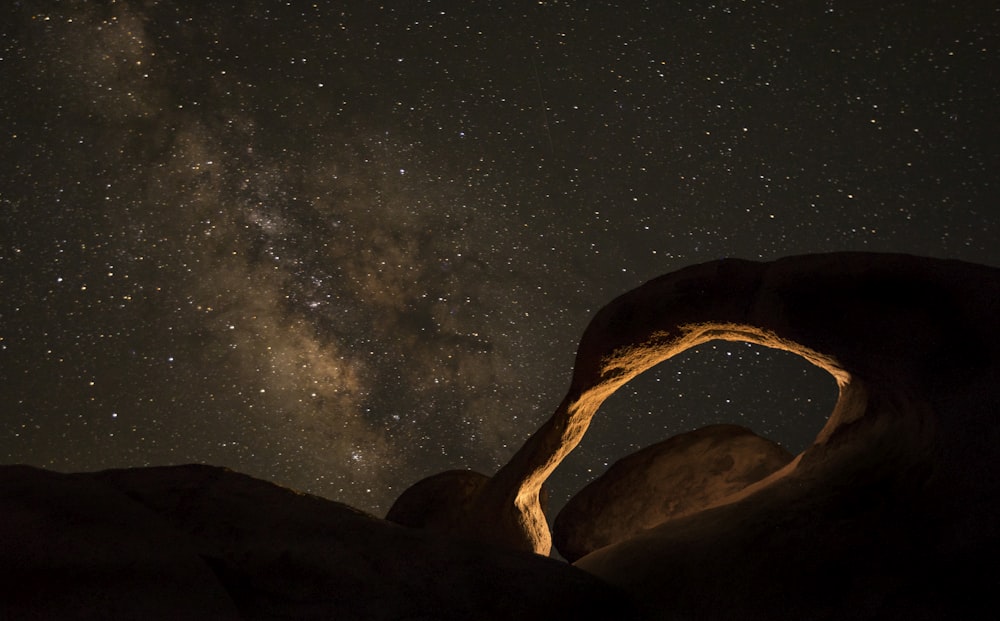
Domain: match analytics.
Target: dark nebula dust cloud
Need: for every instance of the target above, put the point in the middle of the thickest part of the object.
(344, 246)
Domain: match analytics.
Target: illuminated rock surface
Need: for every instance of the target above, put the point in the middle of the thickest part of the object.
(667, 480)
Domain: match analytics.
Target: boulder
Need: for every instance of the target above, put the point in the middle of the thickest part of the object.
(439, 502)
(670, 479)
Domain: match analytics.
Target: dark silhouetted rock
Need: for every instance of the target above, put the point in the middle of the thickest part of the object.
(197, 542)
(670, 479)
(74, 548)
(439, 502)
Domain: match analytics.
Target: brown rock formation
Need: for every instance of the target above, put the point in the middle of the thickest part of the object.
(197, 542)
(440, 502)
(894, 499)
(73, 548)
(667, 480)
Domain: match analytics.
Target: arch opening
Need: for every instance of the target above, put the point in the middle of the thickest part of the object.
(775, 393)
(606, 361)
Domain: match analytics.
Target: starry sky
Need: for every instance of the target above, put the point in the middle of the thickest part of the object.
(345, 245)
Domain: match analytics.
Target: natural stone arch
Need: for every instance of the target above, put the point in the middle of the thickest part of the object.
(633, 333)
(893, 331)
(777, 394)
(544, 451)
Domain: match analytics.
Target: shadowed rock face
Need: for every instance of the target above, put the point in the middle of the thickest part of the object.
(197, 542)
(72, 547)
(667, 480)
(440, 502)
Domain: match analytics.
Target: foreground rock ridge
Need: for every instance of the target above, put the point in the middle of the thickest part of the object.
(891, 513)
(198, 542)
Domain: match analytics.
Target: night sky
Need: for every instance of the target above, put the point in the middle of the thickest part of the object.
(343, 246)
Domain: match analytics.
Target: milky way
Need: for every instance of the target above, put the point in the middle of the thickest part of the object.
(344, 249)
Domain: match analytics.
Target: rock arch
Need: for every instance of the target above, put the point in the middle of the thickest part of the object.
(775, 393)
(895, 331)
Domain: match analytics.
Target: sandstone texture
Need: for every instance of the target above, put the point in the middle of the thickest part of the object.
(670, 479)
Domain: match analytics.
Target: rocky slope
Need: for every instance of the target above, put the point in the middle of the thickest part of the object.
(198, 542)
